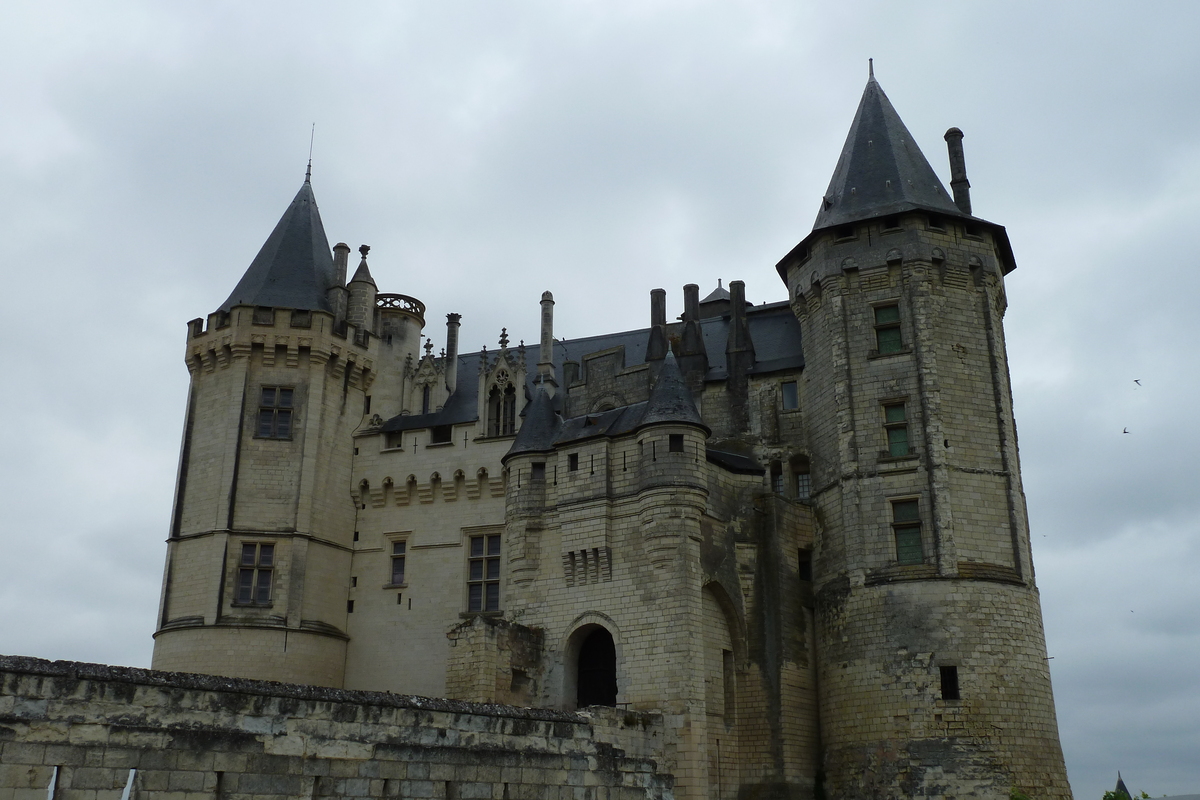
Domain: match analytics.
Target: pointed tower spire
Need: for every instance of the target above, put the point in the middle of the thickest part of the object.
(881, 170)
(539, 429)
(294, 268)
(671, 400)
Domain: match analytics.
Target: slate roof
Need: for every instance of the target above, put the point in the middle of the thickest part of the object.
(670, 399)
(773, 327)
(881, 170)
(717, 294)
(539, 428)
(294, 268)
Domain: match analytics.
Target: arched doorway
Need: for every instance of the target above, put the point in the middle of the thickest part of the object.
(596, 677)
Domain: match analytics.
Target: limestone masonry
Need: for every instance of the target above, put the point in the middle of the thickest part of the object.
(776, 550)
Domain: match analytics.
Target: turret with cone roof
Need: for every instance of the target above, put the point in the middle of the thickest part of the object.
(922, 573)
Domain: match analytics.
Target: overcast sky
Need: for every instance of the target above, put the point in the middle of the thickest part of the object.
(489, 151)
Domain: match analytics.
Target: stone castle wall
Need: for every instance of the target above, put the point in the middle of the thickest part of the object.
(93, 730)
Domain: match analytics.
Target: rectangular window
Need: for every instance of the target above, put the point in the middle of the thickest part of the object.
(264, 316)
(539, 470)
(804, 564)
(675, 442)
(483, 573)
(791, 397)
(887, 330)
(803, 486)
(572, 462)
(275, 413)
(398, 553)
(301, 319)
(366, 405)
(441, 434)
(949, 683)
(895, 422)
(255, 569)
(906, 528)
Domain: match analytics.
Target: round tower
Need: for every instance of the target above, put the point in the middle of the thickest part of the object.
(258, 557)
(932, 666)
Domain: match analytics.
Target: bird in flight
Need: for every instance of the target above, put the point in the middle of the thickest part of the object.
(1135, 380)
(1125, 431)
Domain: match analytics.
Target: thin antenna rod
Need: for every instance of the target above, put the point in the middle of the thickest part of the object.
(870, 69)
(311, 136)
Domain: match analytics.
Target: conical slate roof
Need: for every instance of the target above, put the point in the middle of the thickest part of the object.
(671, 400)
(716, 295)
(539, 429)
(294, 268)
(881, 170)
(363, 273)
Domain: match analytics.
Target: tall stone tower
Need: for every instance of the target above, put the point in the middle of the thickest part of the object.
(932, 662)
(259, 553)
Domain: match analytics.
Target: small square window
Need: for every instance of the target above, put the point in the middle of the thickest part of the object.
(937, 223)
(264, 316)
(791, 395)
(539, 470)
(441, 434)
(845, 233)
(675, 442)
(572, 462)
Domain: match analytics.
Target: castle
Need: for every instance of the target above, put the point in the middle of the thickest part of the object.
(794, 530)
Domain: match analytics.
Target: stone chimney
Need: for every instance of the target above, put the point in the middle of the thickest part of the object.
(657, 346)
(739, 357)
(545, 367)
(693, 359)
(958, 171)
(451, 364)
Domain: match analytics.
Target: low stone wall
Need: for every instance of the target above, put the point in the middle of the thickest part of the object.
(93, 730)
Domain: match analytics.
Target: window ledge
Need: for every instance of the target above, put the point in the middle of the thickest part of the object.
(439, 444)
(886, 458)
(273, 438)
(473, 614)
(395, 586)
(874, 354)
(391, 449)
(239, 604)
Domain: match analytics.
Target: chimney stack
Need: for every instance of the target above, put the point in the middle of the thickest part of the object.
(657, 346)
(451, 364)
(739, 358)
(958, 171)
(693, 359)
(545, 367)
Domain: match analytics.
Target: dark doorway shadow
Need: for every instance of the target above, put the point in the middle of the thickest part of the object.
(597, 684)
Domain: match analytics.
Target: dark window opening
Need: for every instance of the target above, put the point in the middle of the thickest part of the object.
(366, 404)
(937, 223)
(891, 223)
(301, 319)
(675, 442)
(502, 410)
(844, 232)
(275, 413)
(804, 569)
(395, 439)
(776, 477)
(349, 606)
(254, 573)
(973, 231)
(539, 470)
(441, 434)
(425, 400)
(264, 316)
(353, 581)
(572, 462)
(949, 683)
(791, 396)
(597, 682)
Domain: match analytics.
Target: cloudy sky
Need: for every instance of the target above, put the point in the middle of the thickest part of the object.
(489, 151)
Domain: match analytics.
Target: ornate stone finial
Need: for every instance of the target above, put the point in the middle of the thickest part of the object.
(443, 354)
(483, 359)
(504, 338)
(428, 347)
(364, 249)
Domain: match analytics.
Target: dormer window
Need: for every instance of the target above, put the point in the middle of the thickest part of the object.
(264, 316)
(845, 233)
(892, 223)
(502, 409)
(936, 223)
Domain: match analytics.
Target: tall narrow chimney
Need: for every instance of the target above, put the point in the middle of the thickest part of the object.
(958, 171)
(656, 347)
(693, 360)
(452, 322)
(739, 358)
(545, 368)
